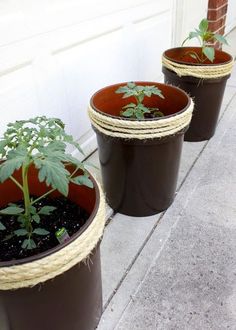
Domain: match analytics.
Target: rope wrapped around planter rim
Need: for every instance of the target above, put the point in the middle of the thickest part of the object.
(38, 271)
(199, 71)
(140, 129)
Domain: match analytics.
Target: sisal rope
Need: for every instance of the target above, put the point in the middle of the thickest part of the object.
(199, 71)
(144, 129)
(33, 273)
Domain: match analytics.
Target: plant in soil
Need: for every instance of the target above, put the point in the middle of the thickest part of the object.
(40, 142)
(205, 37)
(138, 110)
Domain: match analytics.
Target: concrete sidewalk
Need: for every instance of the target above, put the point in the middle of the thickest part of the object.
(177, 269)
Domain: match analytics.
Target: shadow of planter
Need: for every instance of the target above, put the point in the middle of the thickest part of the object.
(140, 158)
(61, 288)
(205, 83)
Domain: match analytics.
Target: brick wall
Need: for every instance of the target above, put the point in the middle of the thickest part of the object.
(216, 16)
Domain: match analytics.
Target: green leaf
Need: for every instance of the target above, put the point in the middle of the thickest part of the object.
(3, 144)
(193, 56)
(159, 93)
(70, 140)
(54, 173)
(8, 167)
(141, 107)
(21, 232)
(32, 209)
(139, 114)
(47, 210)
(40, 231)
(209, 52)
(58, 156)
(82, 180)
(130, 105)
(28, 244)
(55, 146)
(122, 90)
(207, 36)
(75, 144)
(129, 90)
(153, 90)
(140, 97)
(140, 88)
(6, 238)
(148, 93)
(12, 210)
(2, 227)
(128, 113)
(220, 39)
(19, 153)
(21, 219)
(130, 93)
(25, 244)
(36, 218)
(159, 114)
(131, 85)
(203, 26)
(193, 34)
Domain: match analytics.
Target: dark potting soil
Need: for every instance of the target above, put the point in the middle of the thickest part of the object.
(67, 214)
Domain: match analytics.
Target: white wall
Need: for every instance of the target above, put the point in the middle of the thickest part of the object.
(55, 53)
(231, 16)
(188, 14)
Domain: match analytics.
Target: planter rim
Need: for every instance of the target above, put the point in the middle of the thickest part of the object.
(193, 78)
(28, 272)
(129, 128)
(146, 119)
(217, 51)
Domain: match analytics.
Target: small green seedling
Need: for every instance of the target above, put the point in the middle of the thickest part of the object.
(138, 110)
(39, 142)
(205, 37)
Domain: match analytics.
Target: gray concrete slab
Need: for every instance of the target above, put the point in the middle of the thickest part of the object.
(122, 242)
(191, 285)
(232, 80)
(231, 48)
(190, 154)
(229, 93)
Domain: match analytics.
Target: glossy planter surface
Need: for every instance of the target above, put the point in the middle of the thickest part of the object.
(207, 94)
(140, 176)
(72, 300)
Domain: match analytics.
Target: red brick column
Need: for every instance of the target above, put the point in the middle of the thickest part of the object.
(216, 16)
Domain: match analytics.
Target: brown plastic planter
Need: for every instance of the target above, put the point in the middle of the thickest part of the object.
(70, 301)
(206, 93)
(140, 176)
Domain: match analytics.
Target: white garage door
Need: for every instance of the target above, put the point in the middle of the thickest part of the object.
(55, 53)
(231, 16)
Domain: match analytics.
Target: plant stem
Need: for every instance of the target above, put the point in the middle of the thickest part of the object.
(41, 197)
(71, 176)
(195, 54)
(27, 202)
